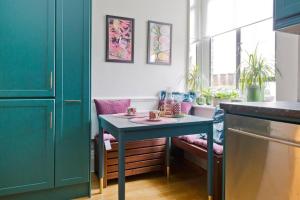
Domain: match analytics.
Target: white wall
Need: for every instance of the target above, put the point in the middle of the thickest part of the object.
(287, 61)
(139, 80)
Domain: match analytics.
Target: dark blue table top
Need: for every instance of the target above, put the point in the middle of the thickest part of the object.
(126, 124)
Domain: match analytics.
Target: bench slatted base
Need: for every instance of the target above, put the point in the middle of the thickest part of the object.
(140, 156)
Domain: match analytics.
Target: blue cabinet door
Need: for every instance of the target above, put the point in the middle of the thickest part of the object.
(27, 40)
(286, 8)
(72, 160)
(26, 145)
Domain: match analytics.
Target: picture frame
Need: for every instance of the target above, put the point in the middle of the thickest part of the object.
(159, 43)
(119, 39)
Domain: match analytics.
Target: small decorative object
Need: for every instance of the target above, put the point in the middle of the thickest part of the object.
(154, 115)
(159, 43)
(119, 39)
(131, 111)
(177, 108)
(168, 103)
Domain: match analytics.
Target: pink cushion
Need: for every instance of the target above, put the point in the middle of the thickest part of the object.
(106, 136)
(218, 149)
(186, 107)
(110, 137)
(111, 106)
(194, 139)
(189, 138)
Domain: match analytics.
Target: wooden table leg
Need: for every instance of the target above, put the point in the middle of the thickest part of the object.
(168, 153)
(121, 178)
(101, 159)
(210, 152)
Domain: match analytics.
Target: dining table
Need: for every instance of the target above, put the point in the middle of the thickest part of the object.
(126, 129)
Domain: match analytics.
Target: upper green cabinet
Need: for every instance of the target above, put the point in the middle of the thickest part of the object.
(287, 8)
(44, 99)
(27, 48)
(26, 145)
(73, 92)
(287, 16)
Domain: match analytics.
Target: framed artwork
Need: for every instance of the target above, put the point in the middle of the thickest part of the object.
(119, 39)
(159, 43)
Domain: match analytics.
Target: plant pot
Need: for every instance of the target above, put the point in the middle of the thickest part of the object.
(201, 100)
(255, 93)
(208, 100)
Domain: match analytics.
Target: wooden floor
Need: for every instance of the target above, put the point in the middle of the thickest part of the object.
(185, 183)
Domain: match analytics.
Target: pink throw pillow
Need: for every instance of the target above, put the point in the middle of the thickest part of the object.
(186, 107)
(111, 106)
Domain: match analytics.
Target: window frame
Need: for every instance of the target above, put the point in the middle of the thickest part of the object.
(238, 44)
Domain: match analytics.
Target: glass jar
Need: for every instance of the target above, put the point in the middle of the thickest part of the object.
(168, 103)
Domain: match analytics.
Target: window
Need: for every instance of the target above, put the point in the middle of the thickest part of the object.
(225, 15)
(233, 31)
(223, 62)
(262, 37)
(226, 60)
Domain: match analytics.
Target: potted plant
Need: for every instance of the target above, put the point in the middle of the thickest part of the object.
(194, 83)
(224, 95)
(215, 97)
(255, 75)
(208, 95)
(194, 79)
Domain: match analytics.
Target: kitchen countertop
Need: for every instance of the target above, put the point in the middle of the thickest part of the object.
(279, 111)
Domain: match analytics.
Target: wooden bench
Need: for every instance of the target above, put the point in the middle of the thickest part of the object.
(141, 157)
(201, 152)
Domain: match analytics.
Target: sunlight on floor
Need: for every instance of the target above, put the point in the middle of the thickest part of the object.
(184, 184)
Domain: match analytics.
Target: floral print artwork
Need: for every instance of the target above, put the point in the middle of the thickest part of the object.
(159, 44)
(119, 39)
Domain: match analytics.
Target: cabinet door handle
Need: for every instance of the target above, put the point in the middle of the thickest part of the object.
(262, 137)
(72, 101)
(51, 80)
(51, 120)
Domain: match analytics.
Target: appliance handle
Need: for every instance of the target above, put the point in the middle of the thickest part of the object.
(236, 131)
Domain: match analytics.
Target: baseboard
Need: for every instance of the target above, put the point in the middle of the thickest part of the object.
(61, 193)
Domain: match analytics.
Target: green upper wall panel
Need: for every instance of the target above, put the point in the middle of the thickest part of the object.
(287, 16)
(27, 48)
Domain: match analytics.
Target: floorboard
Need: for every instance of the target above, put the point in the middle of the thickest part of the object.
(185, 183)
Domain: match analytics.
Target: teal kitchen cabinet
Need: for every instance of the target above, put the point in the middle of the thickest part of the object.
(44, 81)
(73, 93)
(27, 48)
(26, 145)
(287, 16)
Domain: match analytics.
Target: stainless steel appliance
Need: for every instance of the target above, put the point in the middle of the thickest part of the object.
(262, 159)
